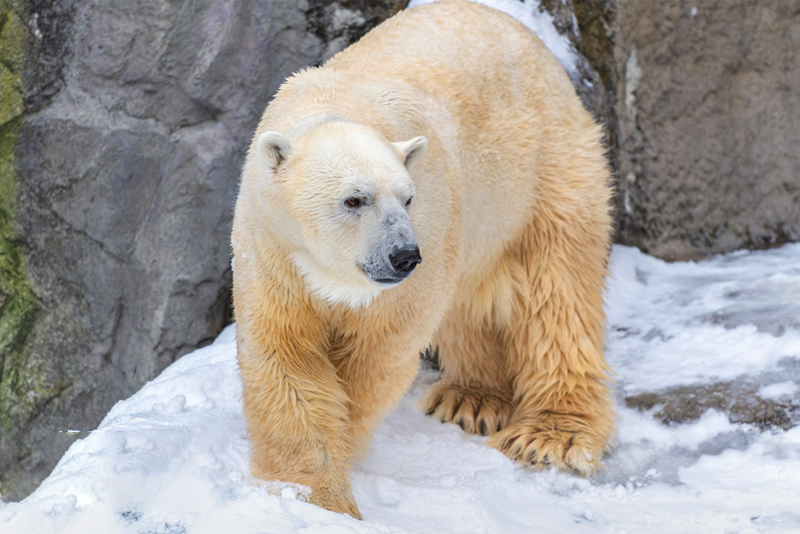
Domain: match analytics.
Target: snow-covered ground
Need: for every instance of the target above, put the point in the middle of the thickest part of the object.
(172, 459)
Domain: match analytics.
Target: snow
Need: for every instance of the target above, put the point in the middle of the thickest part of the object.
(172, 459)
(678, 316)
(539, 21)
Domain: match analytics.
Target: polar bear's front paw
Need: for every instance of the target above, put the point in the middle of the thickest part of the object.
(476, 411)
(549, 441)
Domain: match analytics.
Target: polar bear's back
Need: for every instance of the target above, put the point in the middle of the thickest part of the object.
(443, 45)
(503, 122)
(507, 98)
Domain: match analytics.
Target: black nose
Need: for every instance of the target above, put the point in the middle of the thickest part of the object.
(404, 260)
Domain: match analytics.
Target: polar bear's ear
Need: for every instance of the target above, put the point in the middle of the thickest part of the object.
(273, 149)
(412, 149)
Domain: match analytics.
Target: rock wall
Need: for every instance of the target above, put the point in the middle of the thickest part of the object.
(700, 118)
(708, 107)
(124, 125)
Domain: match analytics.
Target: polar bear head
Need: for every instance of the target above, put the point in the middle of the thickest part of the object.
(341, 196)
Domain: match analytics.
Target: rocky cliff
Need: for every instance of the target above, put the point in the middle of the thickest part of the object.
(124, 126)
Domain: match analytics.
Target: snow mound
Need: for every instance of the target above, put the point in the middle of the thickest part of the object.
(172, 459)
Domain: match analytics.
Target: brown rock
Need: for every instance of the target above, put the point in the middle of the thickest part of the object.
(708, 108)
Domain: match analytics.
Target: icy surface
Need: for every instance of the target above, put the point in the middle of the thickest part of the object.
(172, 459)
(683, 323)
(538, 20)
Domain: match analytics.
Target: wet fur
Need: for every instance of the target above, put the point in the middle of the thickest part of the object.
(512, 217)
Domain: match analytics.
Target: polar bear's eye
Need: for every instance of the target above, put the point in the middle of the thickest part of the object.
(353, 202)
(408, 202)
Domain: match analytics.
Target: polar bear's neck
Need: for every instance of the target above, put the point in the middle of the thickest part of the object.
(358, 294)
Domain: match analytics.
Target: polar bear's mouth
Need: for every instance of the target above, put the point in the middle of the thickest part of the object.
(388, 281)
(383, 278)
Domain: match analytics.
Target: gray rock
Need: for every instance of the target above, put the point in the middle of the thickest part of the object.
(137, 117)
(708, 109)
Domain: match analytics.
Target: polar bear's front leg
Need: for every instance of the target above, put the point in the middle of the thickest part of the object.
(375, 372)
(296, 412)
(562, 412)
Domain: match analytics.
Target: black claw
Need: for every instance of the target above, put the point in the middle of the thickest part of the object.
(461, 423)
(508, 443)
(433, 409)
(482, 427)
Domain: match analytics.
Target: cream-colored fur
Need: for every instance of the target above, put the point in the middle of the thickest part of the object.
(511, 213)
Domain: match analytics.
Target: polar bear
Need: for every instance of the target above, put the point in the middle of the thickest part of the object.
(437, 182)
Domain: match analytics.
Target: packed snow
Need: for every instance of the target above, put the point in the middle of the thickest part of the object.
(172, 459)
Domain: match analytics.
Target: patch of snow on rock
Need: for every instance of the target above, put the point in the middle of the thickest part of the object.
(778, 391)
